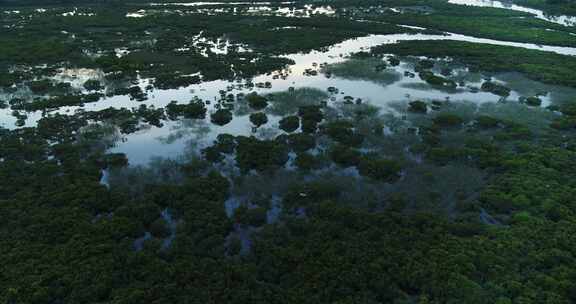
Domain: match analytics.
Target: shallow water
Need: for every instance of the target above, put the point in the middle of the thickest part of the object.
(139, 242)
(167, 216)
(275, 210)
(562, 19)
(177, 137)
(140, 147)
(105, 179)
(458, 37)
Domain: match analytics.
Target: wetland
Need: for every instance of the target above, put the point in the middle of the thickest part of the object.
(400, 151)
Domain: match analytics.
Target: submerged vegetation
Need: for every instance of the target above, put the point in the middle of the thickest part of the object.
(363, 69)
(301, 154)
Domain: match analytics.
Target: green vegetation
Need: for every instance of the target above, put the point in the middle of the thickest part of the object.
(542, 66)
(221, 117)
(363, 69)
(533, 101)
(418, 107)
(380, 169)
(288, 102)
(345, 156)
(290, 123)
(324, 196)
(343, 132)
(92, 85)
(258, 119)
(307, 162)
(260, 155)
(310, 117)
(160, 46)
(484, 22)
(196, 109)
(436, 80)
(256, 101)
(448, 120)
(301, 142)
(495, 88)
(507, 29)
(564, 7)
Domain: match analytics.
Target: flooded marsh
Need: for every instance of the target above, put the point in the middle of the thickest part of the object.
(404, 151)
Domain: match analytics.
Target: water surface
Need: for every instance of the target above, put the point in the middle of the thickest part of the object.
(177, 137)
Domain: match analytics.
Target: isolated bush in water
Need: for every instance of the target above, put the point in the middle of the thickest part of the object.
(372, 69)
(258, 119)
(417, 106)
(495, 88)
(195, 109)
(221, 117)
(288, 102)
(436, 80)
(533, 101)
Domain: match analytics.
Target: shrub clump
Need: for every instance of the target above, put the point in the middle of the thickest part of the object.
(213, 154)
(417, 106)
(311, 117)
(307, 162)
(301, 142)
(448, 120)
(533, 101)
(564, 123)
(93, 85)
(290, 124)
(115, 160)
(394, 61)
(258, 119)
(381, 169)
(436, 80)
(345, 156)
(225, 143)
(256, 102)
(260, 155)
(343, 132)
(486, 122)
(159, 228)
(495, 88)
(195, 109)
(221, 117)
(251, 216)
